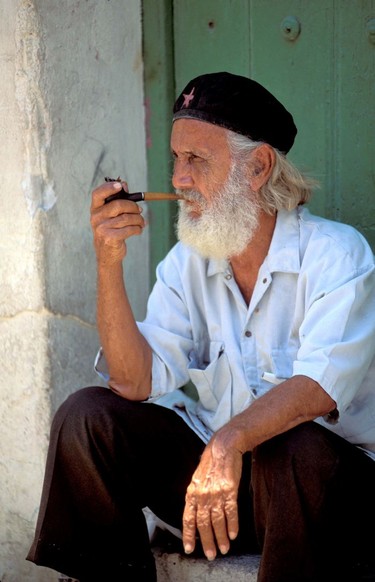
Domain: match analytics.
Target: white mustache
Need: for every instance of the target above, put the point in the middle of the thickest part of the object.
(190, 195)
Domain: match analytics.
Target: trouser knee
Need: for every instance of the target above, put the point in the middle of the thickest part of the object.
(85, 415)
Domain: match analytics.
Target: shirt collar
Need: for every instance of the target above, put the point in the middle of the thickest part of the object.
(283, 254)
(284, 251)
(215, 266)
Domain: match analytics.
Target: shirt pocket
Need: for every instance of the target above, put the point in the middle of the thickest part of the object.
(213, 378)
(282, 362)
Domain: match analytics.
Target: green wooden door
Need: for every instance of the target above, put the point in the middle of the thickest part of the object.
(316, 56)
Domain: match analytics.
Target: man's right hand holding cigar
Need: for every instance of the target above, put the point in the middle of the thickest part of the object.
(113, 223)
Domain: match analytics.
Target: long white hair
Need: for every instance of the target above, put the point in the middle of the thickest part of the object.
(286, 187)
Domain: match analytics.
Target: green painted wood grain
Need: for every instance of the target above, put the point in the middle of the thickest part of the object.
(159, 99)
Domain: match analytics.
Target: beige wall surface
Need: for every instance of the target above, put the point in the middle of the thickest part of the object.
(71, 112)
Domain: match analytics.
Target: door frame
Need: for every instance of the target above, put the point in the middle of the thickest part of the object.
(159, 88)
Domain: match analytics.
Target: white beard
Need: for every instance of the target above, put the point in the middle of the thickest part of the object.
(227, 226)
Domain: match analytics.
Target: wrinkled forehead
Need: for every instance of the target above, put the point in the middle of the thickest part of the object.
(200, 135)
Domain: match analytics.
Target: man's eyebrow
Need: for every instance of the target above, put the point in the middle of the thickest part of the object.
(188, 152)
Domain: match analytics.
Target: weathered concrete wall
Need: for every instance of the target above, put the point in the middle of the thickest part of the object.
(71, 112)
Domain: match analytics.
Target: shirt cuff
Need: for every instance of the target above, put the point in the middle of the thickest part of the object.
(100, 366)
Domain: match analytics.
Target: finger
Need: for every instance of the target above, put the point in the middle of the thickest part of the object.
(102, 192)
(231, 515)
(124, 220)
(117, 214)
(189, 527)
(206, 533)
(118, 229)
(219, 525)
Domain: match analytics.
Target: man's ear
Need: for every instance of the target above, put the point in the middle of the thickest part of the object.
(261, 164)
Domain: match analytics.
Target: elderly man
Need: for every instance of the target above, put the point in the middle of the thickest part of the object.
(269, 312)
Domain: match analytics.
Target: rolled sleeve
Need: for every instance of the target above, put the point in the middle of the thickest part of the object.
(168, 329)
(337, 334)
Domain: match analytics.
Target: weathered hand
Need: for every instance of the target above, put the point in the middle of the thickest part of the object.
(211, 500)
(113, 223)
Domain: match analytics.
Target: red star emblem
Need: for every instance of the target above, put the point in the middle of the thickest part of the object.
(187, 98)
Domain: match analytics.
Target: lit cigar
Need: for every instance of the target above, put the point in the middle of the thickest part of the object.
(139, 196)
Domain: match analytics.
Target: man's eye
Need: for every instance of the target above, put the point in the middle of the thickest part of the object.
(194, 158)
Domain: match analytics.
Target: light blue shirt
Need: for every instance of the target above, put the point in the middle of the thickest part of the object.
(312, 312)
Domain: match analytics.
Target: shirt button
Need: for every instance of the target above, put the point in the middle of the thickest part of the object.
(256, 310)
(228, 276)
(248, 333)
(265, 280)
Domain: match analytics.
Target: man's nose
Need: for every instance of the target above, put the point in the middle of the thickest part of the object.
(182, 178)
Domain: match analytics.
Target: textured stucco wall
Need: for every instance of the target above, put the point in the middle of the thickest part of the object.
(71, 112)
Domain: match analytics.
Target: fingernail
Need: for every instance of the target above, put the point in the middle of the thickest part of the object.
(232, 535)
(117, 185)
(224, 549)
(210, 555)
(188, 549)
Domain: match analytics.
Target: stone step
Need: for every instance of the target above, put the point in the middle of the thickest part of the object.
(175, 567)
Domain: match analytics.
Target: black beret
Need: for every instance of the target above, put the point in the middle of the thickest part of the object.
(239, 104)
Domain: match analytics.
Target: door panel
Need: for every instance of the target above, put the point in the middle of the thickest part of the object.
(210, 36)
(317, 57)
(354, 119)
(297, 71)
(292, 56)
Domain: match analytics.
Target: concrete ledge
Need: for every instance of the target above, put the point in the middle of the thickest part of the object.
(174, 567)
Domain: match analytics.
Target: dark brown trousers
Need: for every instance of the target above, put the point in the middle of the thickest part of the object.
(306, 498)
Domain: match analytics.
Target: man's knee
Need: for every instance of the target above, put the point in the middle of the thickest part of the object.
(84, 401)
(85, 412)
